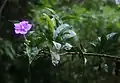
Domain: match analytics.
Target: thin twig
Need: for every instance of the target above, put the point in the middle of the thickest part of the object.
(93, 54)
(2, 7)
(102, 55)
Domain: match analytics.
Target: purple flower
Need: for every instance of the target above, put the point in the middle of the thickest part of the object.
(22, 28)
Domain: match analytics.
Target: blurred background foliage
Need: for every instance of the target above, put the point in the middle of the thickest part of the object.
(61, 29)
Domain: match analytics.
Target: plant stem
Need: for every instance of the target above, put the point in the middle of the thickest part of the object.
(93, 54)
(29, 74)
(25, 38)
(28, 54)
(2, 7)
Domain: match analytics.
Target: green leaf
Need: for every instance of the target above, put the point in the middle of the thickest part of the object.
(68, 34)
(57, 45)
(111, 35)
(51, 10)
(53, 21)
(34, 51)
(63, 32)
(49, 22)
(55, 58)
(67, 46)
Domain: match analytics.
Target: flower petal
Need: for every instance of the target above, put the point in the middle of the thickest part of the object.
(24, 22)
(17, 26)
(20, 31)
(23, 32)
(17, 31)
(28, 27)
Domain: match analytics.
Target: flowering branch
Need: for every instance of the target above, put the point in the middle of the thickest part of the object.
(22, 28)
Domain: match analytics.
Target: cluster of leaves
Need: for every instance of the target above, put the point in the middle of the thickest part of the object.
(94, 27)
(50, 31)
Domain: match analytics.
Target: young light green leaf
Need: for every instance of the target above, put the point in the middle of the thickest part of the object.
(49, 22)
(51, 10)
